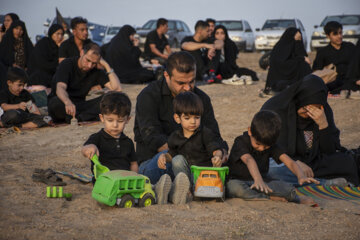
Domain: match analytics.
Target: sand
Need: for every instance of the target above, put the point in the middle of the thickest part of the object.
(26, 213)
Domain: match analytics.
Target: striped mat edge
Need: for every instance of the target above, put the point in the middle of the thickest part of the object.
(330, 193)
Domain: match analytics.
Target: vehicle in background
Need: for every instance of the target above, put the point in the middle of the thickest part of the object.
(273, 29)
(241, 33)
(110, 32)
(351, 30)
(177, 31)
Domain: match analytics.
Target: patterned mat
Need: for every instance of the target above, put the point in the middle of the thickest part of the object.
(329, 193)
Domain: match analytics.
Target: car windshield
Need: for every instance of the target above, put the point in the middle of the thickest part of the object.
(205, 175)
(344, 20)
(278, 24)
(113, 30)
(231, 25)
(212, 175)
(150, 25)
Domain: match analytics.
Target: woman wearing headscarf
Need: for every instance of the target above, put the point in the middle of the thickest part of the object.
(353, 75)
(8, 19)
(308, 132)
(229, 52)
(16, 47)
(288, 62)
(123, 56)
(44, 58)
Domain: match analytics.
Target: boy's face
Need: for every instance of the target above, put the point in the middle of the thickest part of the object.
(189, 123)
(258, 146)
(114, 124)
(16, 87)
(336, 37)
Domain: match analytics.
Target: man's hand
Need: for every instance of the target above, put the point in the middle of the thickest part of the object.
(306, 169)
(261, 186)
(328, 75)
(89, 151)
(307, 180)
(162, 161)
(211, 53)
(307, 60)
(22, 106)
(358, 82)
(318, 115)
(70, 109)
(136, 42)
(163, 148)
(218, 44)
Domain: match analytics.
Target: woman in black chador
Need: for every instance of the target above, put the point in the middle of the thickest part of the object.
(308, 132)
(288, 61)
(45, 57)
(353, 75)
(16, 47)
(229, 52)
(8, 19)
(123, 56)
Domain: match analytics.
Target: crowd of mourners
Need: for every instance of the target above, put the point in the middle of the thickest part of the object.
(291, 141)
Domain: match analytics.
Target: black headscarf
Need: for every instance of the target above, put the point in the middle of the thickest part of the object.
(54, 28)
(7, 44)
(13, 17)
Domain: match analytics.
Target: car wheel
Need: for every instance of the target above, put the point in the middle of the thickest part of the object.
(146, 200)
(127, 201)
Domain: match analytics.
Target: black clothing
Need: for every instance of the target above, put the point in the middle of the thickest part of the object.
(154, 119)
(287, 62)
(123, 57)
(153, 38)
(198, 149)
(69, 48)
(203, 63)
(340, 58)
(353, 73)
(9, 53)
(7, 97)
(115, 153)
(323, 156)
(242, 145)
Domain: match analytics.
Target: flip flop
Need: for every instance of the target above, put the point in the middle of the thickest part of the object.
(48, 177)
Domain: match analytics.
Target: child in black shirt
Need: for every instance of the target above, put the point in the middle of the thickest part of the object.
(17, 103)
(114, 148)
(249, 163)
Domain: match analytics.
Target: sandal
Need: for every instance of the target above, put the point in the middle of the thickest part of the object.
(48, 177)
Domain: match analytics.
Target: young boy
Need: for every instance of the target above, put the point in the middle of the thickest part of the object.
(115, 150)
(249, 163)
(16, 102)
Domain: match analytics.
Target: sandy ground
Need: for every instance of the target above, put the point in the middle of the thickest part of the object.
(26, 213)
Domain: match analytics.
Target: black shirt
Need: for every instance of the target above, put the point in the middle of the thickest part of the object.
(202, 52)
(154, 119)
(115, 153)
(78, 83)
(160, 43)
(7, 97)
(242, 145)
(197, 149)
(69, 48)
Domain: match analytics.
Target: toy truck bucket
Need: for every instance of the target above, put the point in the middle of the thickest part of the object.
(196, 170)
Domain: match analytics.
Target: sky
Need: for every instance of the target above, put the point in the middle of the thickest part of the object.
(136, 12)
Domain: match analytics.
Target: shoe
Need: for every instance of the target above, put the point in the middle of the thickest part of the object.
(334, 96)
(354, 95)
(180, 189)
(247, 79)
(266, 93)
(235, 80)
(162, 189)
(338, 182)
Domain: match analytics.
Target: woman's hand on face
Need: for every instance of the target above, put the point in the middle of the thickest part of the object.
(318, 115)
(297, 36)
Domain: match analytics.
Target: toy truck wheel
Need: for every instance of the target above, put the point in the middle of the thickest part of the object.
(146, 200)
(127, 201)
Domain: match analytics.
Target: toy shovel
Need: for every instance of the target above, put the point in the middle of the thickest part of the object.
(98, 168)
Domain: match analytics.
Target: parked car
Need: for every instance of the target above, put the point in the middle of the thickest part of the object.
(177, 31)
(110, 32)
(273, 29)
(241, 33)
(351, 30)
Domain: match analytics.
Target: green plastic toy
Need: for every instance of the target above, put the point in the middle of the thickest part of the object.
(98, 167)
(57, 193)
(124, 188)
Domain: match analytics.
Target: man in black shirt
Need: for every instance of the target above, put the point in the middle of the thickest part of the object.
(207, 55)
(154, 121)
(72, 46)
(72, 82)
(156, 42)
(338, 53)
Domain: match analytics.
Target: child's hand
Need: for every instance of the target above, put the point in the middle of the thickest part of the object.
(307, 180)
(261, 186)
(162, 161)
(89, 151)
(305, 168)
(22, 106)
(216, 161)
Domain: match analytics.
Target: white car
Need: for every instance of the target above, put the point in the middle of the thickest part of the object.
(110, 32)
(273, 29)
(351, 30)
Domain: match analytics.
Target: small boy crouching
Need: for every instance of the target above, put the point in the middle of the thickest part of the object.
(249, 163)
(115, 150)
(16, 102)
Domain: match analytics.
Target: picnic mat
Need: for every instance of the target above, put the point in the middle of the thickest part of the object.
(329, 193)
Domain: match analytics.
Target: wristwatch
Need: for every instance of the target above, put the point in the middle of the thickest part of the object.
(109, 72)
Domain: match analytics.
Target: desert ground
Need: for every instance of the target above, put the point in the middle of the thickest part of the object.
(26, 213)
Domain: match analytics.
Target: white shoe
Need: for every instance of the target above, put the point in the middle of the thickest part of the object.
(235, 80)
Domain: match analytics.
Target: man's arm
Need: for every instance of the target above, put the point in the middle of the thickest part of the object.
(114, 82)
(193, 46)
(64, 97)
(168, 49)
(156, 51)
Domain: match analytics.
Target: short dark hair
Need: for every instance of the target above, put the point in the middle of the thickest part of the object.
(160, 22)
(77, 20)
(188, 103)
(332, 27)
(182, 61)
(17, 74)
(265, 127)
(210, 20)
(92, 46)
(115, 103)
(201, 25)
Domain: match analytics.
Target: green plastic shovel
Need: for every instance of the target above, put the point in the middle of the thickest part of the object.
(98, 168)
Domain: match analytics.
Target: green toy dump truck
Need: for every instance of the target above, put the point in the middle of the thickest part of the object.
(124, 188)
